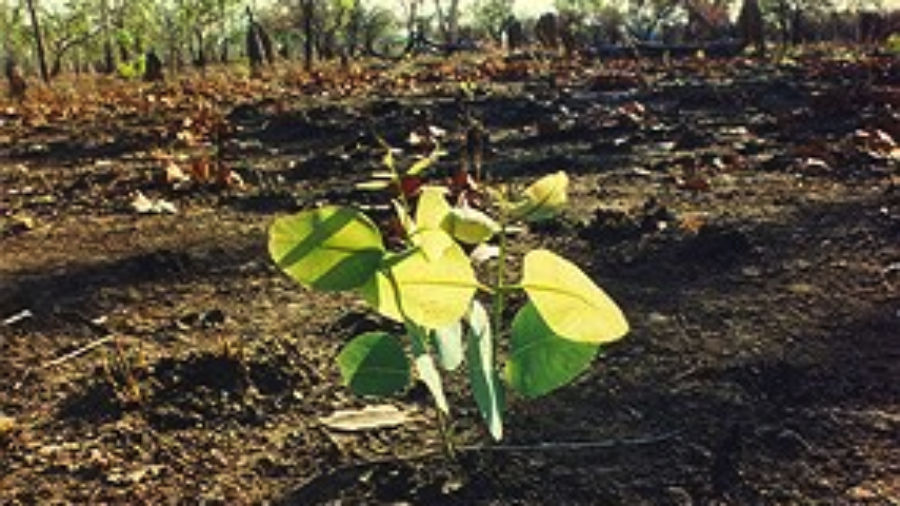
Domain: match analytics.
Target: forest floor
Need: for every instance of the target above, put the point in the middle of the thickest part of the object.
(745, 215)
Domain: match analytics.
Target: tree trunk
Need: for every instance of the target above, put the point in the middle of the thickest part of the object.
(453, 22)
(750, 27)
(308, 10)
(38, 41)
(109, 59)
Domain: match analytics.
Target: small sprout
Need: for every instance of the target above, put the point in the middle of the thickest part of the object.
(431, 287)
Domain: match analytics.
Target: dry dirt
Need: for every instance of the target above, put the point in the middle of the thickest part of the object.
(745, 215)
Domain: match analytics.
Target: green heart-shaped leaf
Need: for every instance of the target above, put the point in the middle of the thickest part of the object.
(430, 289)
(432, 207)
(483, 377)
(425, 366)
(571, 304)
(374, 363)
(540, 361)
(448, 345)
(544, 199)
(332, 248)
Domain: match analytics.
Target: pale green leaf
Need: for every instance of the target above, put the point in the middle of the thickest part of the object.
(448, 345)
(483, 377)
(432, 290)
(428, 371)
(541, 361)
(388, 159)
(420, 166)
(569, 301)
(469, 225)
(544, 199)
(432, 207)
(434, 243)
(383, 174)
(374, 363)
(332, 248)
(403, 217)
(374, 185)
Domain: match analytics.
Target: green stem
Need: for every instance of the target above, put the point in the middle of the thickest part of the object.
(447, 445)
(500, 280)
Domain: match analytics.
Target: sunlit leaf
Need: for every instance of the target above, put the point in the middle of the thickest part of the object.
(483, 377)
(428, 371)
(469, 225)
(374, 185)
(420, 166)
(383, 174)
(569, 301)
(432, 290)
(388, 159)
(544, 199)
(448, 345)
(374, 363)
(432, 207)
(403, 217)
(541, 361)
(332, 248)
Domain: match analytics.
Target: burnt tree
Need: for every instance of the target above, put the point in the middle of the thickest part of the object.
(751, 29)
(259, 46)
(153, 67)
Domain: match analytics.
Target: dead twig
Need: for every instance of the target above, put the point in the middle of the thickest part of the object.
(78, 351)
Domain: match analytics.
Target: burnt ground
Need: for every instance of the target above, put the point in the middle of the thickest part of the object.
(745, 215)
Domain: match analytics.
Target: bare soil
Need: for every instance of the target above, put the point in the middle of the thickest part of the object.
(745, 215)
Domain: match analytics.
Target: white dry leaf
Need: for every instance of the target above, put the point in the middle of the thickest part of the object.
(164, 206)
(383, 416)
(141, 203)
(175, 175)
(144, 205)
(484, 252)
(415, 139)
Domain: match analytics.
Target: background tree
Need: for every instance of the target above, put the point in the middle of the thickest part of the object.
(377, 24)
(589, 20)
(790, 17)
(307, 13)
(448, 20)
(751, 29)
(69, 28)
(16, 35)
(40, 53)
(492, 16)
(647, 19)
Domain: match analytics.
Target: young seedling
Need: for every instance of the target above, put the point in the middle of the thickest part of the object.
(451, 317)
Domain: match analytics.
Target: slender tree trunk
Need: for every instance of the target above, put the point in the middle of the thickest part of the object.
(108, 56)
(38, 41)
(308, 10)
(453, 22)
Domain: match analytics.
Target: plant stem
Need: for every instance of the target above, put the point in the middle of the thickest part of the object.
(500, 283)
(447, 445)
